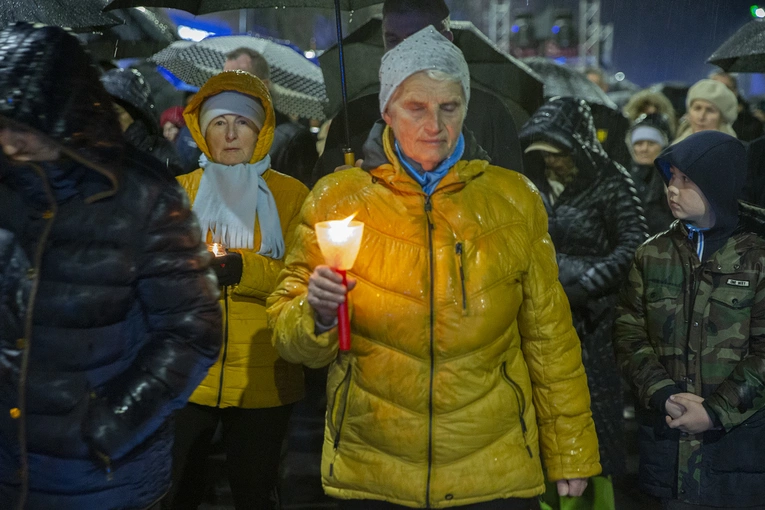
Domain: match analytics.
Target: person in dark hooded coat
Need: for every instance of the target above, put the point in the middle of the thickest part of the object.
(595, 222)
(690, 334)
(109, 313)
(132, 98)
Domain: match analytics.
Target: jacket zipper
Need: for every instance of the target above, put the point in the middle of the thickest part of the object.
(458, 251)
(225, 345)
(24, 371)
(345, 383)
(521, 405)
(428, 209)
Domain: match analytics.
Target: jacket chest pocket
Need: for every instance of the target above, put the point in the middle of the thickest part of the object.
(729, 316)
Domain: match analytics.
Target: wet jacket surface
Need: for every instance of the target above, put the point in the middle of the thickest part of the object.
(464, 373)
(249, 372)
(109, 313)
(686, 324)
(595, 225)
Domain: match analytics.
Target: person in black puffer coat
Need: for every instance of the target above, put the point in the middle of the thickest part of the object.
(649, 134)
(109, 312)
(596, 224)
(131, 95)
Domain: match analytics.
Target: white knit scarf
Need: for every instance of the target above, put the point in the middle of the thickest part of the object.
(230, 198)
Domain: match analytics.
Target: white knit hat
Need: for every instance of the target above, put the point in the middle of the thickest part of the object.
(717, 94)
(231, 103)
(422, 51)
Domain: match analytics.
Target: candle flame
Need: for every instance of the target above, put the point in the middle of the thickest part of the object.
(339, 231)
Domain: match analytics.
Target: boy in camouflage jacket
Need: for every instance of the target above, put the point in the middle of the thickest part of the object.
(690, 334)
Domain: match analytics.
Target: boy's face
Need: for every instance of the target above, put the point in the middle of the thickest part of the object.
(687, 201)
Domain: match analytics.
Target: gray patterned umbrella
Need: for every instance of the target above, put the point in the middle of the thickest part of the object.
(75, 14)
(297, 83)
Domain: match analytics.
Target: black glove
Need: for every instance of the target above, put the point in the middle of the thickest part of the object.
(228, 269)
(576, 294)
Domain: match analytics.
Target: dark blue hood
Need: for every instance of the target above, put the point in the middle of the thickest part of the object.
(716, 162)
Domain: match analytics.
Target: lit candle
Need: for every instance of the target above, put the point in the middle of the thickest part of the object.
(217, 249)
(339, 242)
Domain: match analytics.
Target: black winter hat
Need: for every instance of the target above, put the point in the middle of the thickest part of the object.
(49, 84)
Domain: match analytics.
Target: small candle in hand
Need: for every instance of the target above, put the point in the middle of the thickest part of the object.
(340, 242)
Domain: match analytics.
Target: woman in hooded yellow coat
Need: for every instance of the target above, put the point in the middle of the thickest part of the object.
(252, 210)
(464, 377)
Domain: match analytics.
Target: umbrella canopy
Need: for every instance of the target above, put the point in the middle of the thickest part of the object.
(564, 81)
(490, 69)
(744, 51)
(75, 14)
(208, 6)
(142, 33)
(297, 83)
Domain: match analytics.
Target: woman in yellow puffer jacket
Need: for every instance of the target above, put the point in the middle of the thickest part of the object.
(464, 376)
(253, 210)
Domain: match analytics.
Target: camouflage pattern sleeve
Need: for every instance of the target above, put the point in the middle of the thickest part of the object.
(635, 354)
(742, 393)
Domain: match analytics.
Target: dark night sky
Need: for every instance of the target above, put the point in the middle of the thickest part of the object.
(659, 40)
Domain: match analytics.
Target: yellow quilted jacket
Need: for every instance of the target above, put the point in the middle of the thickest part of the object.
(249, 372)
(465, 372)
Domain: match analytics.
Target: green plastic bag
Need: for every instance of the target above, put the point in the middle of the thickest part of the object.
(599, 495)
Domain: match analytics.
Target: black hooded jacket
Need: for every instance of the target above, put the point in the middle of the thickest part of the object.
(596, 225)
(697, 158)
(109, 312)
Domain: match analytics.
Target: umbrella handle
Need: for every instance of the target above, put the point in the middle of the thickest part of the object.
(349, 157)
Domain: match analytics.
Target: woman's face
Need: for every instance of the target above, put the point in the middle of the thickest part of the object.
(561, 165)
(426, 116)
(231, 139)
(703, 116)
(170, 131)
(646, 151)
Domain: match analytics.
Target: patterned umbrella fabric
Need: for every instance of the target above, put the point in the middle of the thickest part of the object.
(75, 14)
(208, 6)
(297, 83)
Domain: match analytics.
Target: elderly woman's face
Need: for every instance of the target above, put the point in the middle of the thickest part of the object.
(231, 139)
(426, 116)
(703, 116)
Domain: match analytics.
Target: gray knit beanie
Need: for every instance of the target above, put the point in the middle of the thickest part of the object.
(422, 51)
(717, 94)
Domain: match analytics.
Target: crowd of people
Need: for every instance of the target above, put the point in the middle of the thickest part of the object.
(162, 288)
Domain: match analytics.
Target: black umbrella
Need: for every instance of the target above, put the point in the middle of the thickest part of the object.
(75, 14)
(744, 51)
(141, 33)
(208, 6)
(490, 69)
(564, 81)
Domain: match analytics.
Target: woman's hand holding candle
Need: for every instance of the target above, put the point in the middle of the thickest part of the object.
(325, 293)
